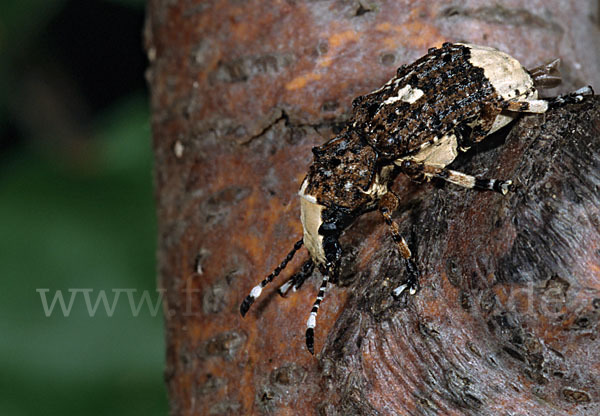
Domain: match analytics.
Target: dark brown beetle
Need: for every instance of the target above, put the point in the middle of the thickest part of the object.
(415, 124)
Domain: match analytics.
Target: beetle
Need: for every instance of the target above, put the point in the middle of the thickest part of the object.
(415, 124)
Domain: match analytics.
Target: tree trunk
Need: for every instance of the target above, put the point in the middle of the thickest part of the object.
(507, 316)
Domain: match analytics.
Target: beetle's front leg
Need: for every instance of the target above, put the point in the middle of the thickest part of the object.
(387, 205)
(298, 278)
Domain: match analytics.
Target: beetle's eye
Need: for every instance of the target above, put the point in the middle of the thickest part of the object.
(373, 109)
(317, 151)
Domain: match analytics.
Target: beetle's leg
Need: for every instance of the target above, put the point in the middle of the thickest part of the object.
(527, 106)
(469, 181)
(255, 293)
(312, 318)
(572, 97)
(387, 205)
(540, 106)
(297, 279)
(458, 178)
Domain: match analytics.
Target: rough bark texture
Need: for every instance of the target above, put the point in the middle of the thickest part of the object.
(507, 318)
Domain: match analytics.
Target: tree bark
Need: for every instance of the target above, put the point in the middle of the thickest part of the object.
(506, 321)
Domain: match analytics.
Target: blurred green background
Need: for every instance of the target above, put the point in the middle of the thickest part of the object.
(76, 211)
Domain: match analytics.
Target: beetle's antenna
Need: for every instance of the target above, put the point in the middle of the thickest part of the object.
(312, 318)
(255, 293)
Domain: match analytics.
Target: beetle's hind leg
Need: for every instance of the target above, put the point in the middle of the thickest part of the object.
(419, 170)
(527, 106)
(297, 279)
(387, 205)
(256, 291)
(472, 182)
(541, 106)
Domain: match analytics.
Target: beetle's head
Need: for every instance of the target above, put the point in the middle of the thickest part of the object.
(322, 226)
(342, 183)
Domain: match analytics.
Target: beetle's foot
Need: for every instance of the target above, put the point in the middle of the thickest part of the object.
(572, 97)
(297, 280)
(496, 185)
(411, 286)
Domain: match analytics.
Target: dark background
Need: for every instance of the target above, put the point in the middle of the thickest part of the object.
(76, 210)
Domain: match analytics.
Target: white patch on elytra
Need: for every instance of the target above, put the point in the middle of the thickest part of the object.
(508, 77)
(406, 94)
(503, 71)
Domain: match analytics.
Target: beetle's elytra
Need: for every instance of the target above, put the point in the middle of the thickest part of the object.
(415, 124)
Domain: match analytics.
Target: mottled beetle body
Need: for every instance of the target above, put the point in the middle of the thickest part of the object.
(415, 124)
